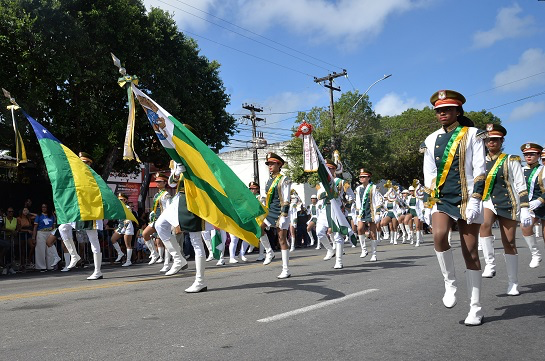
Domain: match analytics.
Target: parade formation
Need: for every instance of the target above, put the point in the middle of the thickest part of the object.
(468, 185)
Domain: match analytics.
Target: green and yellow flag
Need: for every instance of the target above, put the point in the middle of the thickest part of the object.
(213, 191)
(79, 193)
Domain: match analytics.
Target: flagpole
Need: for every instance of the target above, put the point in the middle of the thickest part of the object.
(14, 106)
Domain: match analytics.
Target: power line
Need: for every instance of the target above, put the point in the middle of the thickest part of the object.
(247, 37)
(514, 81)
(246, 53)
(253, 33)
(518, 100)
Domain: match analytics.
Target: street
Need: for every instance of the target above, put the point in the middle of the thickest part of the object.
(385, 310)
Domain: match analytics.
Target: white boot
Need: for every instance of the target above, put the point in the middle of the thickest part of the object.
(512, 262)
(373, 250)
(55, 254)
(330, 252)
(198, 285)
(396, 235)
(161, 251)
(419, 236)
(446, 263)
(209, 247)
(362, 239)
(409, 231)
(66, 262)
(97, 259)
(269, 254)
(166, 263)
(475, 315)
(292, 245)
(233, 250)
(120, 253)
(243, 249)
(221, 261)
(318, 244)
(338, 255)
(487, 244)
(128, 262)
(74, 256)
(285, 264)
(178, 260)
(312, 240)
(154, 256)
(532, 245)
(385, 232)
(421, 233)
(261, 256)
(449, 237)
(392, 237)
(536, 229)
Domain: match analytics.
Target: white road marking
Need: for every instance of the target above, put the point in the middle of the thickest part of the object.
(281, 316)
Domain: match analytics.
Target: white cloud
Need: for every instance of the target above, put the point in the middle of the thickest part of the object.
(531, 62)
(509, 24)
(393, 104)
(347, 20)
(182, 12)
(527, 110)
(289, 102)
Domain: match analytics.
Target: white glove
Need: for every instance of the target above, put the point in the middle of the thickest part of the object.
(427, 217)
(473, 209)
(152, 216)
(534, 204)
(179, 169)
(525, 217)
(377, 218)
(282, 220)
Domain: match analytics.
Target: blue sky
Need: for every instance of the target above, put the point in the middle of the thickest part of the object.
(492, 51)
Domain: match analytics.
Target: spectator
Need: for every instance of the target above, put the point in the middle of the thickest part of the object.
(43, 225)
(24, 228)
(10, 222)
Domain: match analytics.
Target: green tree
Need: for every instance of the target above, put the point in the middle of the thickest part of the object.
(353, 138)
(56, 62)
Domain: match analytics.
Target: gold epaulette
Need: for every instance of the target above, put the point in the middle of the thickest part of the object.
(515, 158)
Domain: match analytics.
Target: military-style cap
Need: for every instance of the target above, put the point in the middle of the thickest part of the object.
(85, 157)
(314, 196)
(447, 98)
(161, 176)
(391, 194)
(411, 188)
(543, 154)
(405, 191)
(122, 196)
(364, 173)
(330, 163)
(496, 131)
(274, 158)
(531, 148)
(253, 184)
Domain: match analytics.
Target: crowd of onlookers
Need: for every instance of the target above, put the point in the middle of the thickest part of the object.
(18, 228)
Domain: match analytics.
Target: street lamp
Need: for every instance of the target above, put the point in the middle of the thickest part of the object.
(381, 79)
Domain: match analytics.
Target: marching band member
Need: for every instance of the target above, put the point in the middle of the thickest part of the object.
(533, 174)
(368, 202)
(505, 195)
(454, 174)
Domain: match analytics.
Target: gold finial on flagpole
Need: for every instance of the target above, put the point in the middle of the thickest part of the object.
(12, 100)
(117, 63)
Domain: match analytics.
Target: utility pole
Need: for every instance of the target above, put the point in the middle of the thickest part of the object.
(254, 119)
(331, 88)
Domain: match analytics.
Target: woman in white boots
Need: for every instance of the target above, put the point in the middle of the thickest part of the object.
(125, 230)
(454, 175)
(414, 215)
(504, 195)
(161, 200)
(325, 221)
(391, 205)
(254, 188)
(278, 190)
(368, 202)
(533, 175)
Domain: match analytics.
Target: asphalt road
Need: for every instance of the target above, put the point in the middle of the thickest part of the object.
(385, 310)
